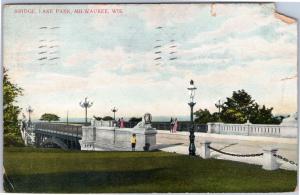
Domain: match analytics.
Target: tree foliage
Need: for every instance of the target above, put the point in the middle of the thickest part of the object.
(49, 117)
(98, 118)
(239, 108)
(107, 118)
(12, 134)
(135, 120)
(204, 116)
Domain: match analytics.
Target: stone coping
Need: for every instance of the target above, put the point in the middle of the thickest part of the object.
(258, 125)
(283, 140)
(132, 130)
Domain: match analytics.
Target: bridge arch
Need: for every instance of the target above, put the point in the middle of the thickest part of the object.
(56, 141)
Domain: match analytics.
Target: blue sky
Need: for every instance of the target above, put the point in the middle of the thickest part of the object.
(110, 57)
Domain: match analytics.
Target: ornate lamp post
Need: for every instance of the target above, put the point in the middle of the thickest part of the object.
(192, 148)
(218, 105)
(29, 110)
(86, 104)
(114, 110)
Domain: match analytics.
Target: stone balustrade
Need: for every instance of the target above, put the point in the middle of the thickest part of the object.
(288, 128)
(247, 129)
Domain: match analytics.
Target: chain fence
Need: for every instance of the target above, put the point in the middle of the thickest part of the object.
(253, 155)
(238, 155)
(285, 159)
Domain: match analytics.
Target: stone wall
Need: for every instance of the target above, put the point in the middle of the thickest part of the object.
(117, 139)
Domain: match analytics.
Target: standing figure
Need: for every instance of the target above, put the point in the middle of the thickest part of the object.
(175, 125)
(122, 125)
(171, 125)
(119, 123)
(133, 141)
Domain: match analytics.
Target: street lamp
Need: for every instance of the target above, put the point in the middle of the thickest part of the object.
(67, 117)
(218, 105)
(192, 148)
(114, 110)
(29, 110)
(86, 104)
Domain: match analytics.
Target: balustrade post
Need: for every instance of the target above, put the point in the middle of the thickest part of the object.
(210, 127)
(269, 160)
(204, 149)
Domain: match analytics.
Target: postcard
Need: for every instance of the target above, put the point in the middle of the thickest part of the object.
(144, 98)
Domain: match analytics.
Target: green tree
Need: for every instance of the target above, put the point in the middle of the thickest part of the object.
(263, 115)
(239, 108)
(204, 116)
(107, 118)
(49, 117)
(98, 118)
(12, 134)
(135, 120)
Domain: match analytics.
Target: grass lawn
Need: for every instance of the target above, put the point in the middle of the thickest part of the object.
(57, 171)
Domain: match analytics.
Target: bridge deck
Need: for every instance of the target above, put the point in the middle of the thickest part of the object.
(62, 129)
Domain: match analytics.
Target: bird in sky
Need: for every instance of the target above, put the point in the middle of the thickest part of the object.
(159, 27)
(54, 58)
(43, 27)
(42, 46)
(172, 52)
(43, 58)
(157, 52)
(55, 27)
(42, 52)
(288, 78)
(53, 46)
(173, 58)
(157, 58)
(157, 46)
(172, 46)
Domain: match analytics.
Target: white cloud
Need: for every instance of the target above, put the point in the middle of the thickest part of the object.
(170, 14)
(132, 81)
(241, 19)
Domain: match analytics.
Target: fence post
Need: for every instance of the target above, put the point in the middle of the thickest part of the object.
(205, 151)
(269, 160)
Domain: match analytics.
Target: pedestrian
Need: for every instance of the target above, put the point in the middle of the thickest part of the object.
(133, 141)
(122, 125)
(119, 123)
(175, 125)
(171, 125)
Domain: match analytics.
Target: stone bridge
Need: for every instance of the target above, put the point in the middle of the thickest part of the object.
(57, 135)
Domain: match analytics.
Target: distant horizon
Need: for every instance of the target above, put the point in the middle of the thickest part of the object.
(154, 118)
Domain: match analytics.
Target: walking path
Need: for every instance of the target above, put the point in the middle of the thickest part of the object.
(287, 147)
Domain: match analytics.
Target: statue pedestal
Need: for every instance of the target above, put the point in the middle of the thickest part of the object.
(289, 126)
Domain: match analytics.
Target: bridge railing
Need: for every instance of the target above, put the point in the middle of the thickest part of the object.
(72, 129)
(249, 129)
(77, 129)
(182, 126)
